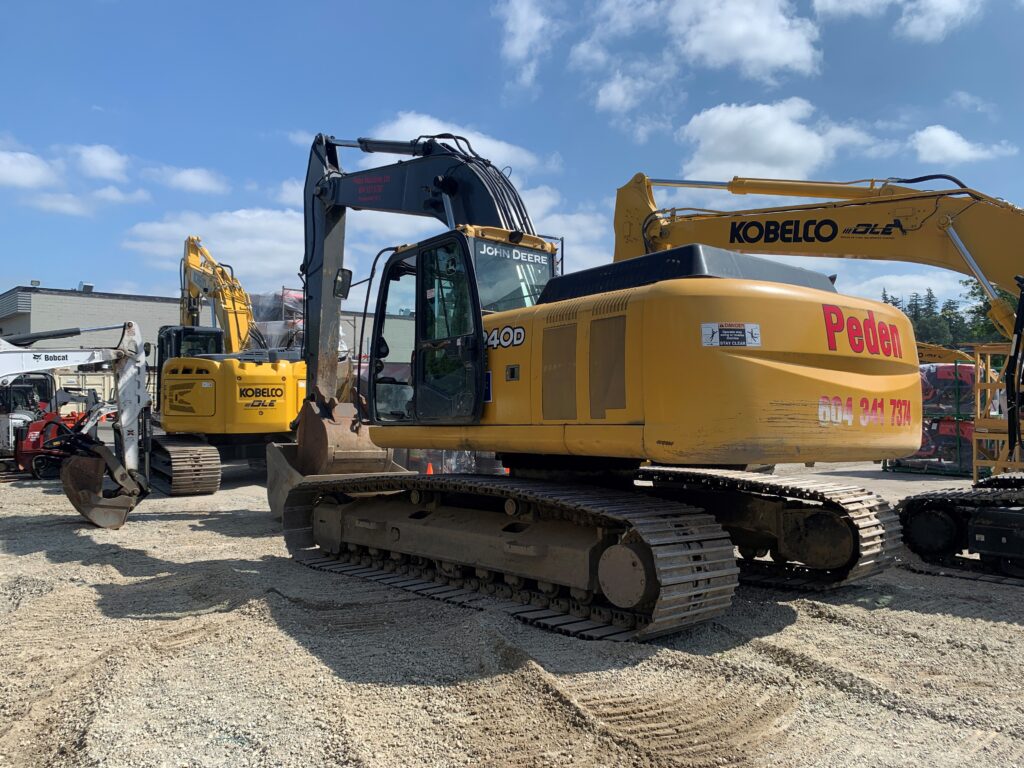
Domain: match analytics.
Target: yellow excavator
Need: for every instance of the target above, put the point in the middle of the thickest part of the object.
(619, 399)
(222, 395)
(956, 228)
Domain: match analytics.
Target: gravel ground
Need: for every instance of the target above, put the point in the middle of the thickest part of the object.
(187, 638)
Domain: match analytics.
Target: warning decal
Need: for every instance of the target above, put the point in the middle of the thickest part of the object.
(730, 334)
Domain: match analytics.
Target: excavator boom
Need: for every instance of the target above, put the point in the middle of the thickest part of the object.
(959, 229)
(204, 280)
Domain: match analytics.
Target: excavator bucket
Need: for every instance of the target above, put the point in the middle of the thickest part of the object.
(325, 447)
(327, 444)
(82, 478)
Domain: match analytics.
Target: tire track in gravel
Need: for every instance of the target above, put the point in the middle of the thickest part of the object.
(695, 720)
(58, 705)
(828, 662)
(707, 725)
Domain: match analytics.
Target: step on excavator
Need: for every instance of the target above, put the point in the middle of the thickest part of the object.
(954, 228)
(104, 485)
(622, 507)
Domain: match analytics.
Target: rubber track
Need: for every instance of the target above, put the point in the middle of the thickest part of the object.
(877, 524)
(1005, 490)
(185, 466)
(693, 556)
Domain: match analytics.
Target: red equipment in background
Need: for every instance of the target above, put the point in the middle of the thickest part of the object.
(32, 452)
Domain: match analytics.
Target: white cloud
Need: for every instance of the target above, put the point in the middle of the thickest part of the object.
(945, 284)
(926, 21)
(189, 179)
(409, 125)
(930, 21)
(761, 37)
(842, 8)
(100, 161)
(528, 34)
(263, 245)
(25, 170)
(588, 54)
(85, 204)
(939, 144)
(111, 194)
(301, 138)
(621, 82)
(587, 233)
(644, 126)
(971, 103)
(763, 140)
(290, 193)
(61, 202)
(622, 93)
(613, 19)
(867, 278)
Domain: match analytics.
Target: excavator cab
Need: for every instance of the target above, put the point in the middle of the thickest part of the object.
(428, 361)
(185, 341)
(189, 341)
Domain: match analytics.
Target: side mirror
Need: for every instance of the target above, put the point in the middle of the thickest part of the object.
(342, 283)
(147, 349)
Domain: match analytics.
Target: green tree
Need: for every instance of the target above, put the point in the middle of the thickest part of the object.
(930, 304)
(953, 316)
(933, 330)
(979, 327)
(914, 307)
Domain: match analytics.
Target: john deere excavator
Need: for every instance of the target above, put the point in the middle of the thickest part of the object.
(617, 397)
(222, 395)
(956, 228)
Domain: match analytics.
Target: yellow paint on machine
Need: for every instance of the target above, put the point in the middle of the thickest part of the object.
(639, 374)
(230, 396)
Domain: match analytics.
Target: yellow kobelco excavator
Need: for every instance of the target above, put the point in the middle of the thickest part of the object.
(222, 395)
(617, 397)
(955, 228)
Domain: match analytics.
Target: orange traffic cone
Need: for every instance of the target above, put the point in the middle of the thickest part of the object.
(430, 468)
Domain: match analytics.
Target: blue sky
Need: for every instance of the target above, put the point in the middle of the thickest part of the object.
(127, 126)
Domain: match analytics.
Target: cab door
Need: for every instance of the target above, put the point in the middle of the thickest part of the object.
(440, 380)
(449, 359)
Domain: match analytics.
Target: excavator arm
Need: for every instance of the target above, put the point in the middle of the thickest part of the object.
(82, 474)
(959, 229)
(204, 280)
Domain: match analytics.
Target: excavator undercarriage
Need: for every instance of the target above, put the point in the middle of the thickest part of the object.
(619, 563)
